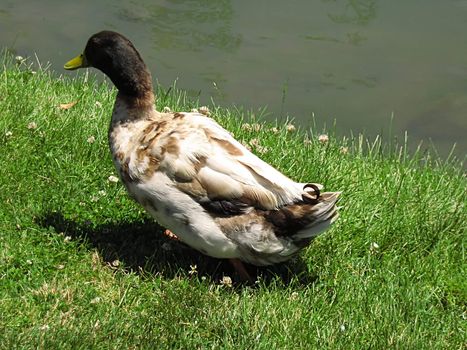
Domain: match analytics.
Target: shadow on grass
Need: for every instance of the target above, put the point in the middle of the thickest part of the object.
(142, 247)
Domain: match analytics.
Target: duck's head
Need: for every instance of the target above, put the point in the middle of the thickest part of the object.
(115, 56)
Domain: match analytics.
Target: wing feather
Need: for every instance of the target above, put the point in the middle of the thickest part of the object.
(211, 165)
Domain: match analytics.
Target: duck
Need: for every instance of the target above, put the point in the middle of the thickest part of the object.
(194, 178)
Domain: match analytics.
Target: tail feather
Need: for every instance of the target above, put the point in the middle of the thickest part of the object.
(267, 237)
(305, 219)
(321, 216)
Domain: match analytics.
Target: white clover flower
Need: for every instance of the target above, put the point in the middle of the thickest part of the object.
(374, 247)
(113, 179)
(204, 110)
(19, 59)
(290, 127)
(256, 127)
(8, 134)
(91, 139)
(254, 142)
(193, 270)
(226, 281)
(32, 126)
(246, 126)
(323, 138)
(294, 296)
(262, 149)
(96, 300)
(258, 147)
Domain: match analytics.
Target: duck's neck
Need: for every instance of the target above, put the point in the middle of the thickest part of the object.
(135, 98)
(129, 109)
(137, 86)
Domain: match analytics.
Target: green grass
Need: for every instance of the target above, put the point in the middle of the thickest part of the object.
(82, 266)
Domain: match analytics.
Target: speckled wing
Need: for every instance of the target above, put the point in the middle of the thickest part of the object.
(207, 163)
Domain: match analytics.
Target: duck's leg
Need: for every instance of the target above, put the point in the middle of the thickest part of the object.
(171, 235)
(241, 270)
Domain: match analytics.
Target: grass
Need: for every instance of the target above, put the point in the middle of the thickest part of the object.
(83, 267)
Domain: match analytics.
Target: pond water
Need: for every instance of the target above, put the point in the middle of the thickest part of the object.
(367, 65)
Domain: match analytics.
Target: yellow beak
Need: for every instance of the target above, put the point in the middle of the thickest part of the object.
(75, 63)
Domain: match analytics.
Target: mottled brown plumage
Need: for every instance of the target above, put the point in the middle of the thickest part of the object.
(195, 178)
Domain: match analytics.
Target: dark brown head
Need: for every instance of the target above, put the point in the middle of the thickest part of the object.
(115, 56)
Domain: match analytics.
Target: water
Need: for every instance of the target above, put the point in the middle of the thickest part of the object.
(358, 63)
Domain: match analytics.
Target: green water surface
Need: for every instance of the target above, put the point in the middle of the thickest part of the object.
(369, 65)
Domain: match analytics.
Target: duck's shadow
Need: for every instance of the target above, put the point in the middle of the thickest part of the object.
(142, 247)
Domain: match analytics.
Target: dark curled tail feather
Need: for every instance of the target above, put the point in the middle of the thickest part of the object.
(304, 220)
(308, 197)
